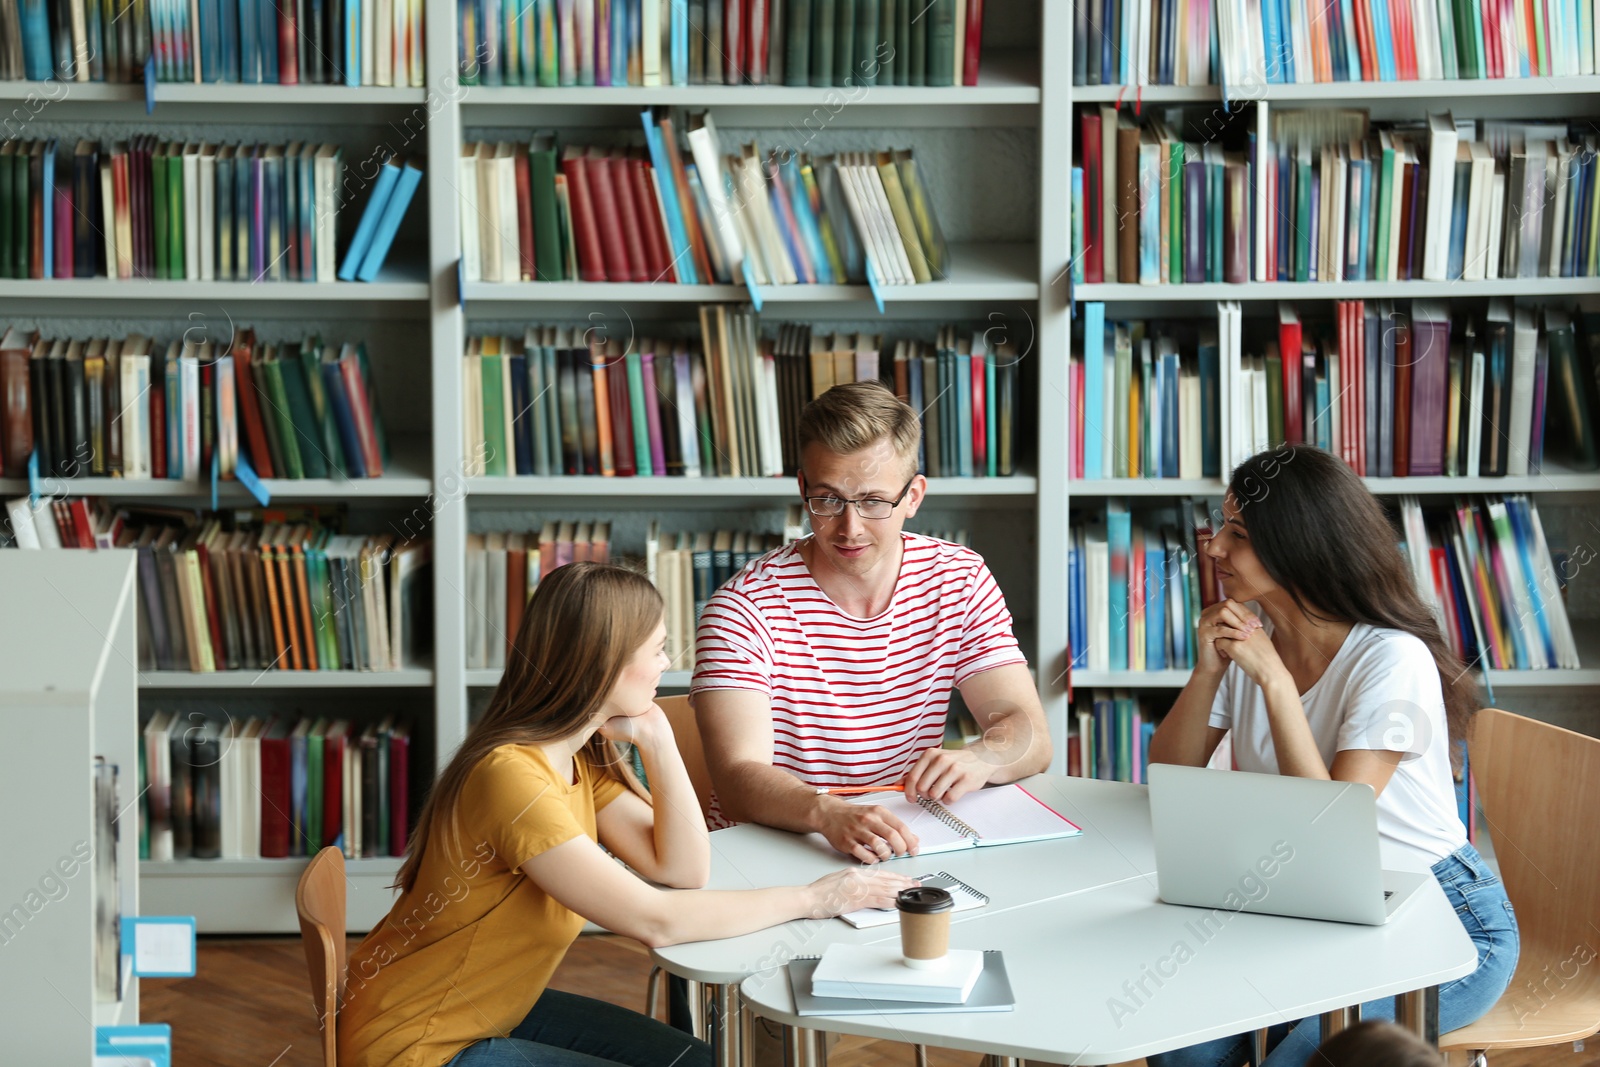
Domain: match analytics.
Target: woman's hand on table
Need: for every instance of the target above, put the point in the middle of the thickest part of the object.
(854, 889)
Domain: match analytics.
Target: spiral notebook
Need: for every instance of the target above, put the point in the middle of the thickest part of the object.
(999, 815)
(992, 993)
(966, 898)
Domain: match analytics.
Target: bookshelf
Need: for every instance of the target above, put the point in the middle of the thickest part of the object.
(1566, 497)
(1000, 156)
(67, 696)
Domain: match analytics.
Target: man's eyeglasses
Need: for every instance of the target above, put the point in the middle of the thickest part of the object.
(831, 507)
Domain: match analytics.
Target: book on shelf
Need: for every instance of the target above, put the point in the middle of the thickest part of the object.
(1413, 389)
(1111, 736)
(1381, 40)
(549, 403)
(1136, 584)
(235, 590)
(503, 569)
(235, 41)
(1326, 195)
(392, 193)
(134, 408)
(662, 213)
(148, 208)
(1490, 576)
(1145, 399)
(272, 787)
(832, 43)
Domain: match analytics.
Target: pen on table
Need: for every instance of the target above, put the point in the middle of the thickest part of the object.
(847, 790)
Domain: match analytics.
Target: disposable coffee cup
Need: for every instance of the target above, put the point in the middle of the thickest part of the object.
(924, 925)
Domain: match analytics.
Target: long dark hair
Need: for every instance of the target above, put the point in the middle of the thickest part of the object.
(583, 624)
(1325, 539)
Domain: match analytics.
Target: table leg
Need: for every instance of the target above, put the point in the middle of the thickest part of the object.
(1339, 1019)
(697, 1008)
(818, 1048)
(722, 1023)
(1418, 1011)
(794, 1046)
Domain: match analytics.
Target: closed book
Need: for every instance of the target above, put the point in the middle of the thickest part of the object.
(366, 230)
(861, 972)
(389, 222)
(1430, 372)
(592, 262)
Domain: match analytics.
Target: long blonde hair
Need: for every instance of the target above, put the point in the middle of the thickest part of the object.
(585, 621)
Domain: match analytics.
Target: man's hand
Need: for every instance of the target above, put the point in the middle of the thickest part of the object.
(946, 775)
(866, 832)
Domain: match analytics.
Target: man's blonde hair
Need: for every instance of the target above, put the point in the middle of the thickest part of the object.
(855, 416)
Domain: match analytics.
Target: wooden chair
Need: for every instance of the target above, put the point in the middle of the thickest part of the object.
(687, 734)
(1540, 789)
(320, 900)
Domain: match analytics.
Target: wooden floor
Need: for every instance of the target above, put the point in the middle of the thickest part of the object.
(249, 1005)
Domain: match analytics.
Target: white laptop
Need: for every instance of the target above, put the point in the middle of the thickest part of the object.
(1272, 844)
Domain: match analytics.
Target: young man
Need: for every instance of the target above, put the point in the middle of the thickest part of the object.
(829, 663)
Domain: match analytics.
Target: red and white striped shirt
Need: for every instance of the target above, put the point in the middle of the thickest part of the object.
(854, 701)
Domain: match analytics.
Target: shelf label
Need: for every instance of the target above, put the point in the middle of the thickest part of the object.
(750, 283)
(33, 481)
(872, 283)
(250, 480)
(150, 85)
(162, 946)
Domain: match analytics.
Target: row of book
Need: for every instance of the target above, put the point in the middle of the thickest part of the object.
(370, 42)
(546, 404)
(1322, 196)
(1392, 390)
(721, 42)
(147, 208)
(1493, 581)
(135, 408)
(1112, 739)
(252, 590)
(541, 212)
(271, 787)
(1136, 586)
(502, 571)
(1288, 41)
(1143, 396)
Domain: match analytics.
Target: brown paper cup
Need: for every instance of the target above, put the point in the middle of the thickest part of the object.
(924, 926)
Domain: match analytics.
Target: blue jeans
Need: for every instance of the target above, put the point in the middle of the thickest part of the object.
(566, 1030)
(1481, 905)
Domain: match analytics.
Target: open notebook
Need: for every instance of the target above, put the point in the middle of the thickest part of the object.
(999, 815)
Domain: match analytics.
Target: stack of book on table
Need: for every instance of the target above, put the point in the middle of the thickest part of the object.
(873, 979)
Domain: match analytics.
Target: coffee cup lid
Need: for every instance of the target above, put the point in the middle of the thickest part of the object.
(923, 900)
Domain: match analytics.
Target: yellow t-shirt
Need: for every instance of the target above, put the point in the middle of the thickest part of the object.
(467, 951)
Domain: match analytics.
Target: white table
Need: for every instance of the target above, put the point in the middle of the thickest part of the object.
(1077, 918)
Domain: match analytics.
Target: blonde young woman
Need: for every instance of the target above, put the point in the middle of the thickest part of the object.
(507, 860)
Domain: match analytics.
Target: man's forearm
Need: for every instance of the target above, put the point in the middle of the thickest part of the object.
(761, 793)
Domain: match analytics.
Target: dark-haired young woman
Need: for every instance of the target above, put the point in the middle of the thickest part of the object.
(506, 862)
(1341, 672)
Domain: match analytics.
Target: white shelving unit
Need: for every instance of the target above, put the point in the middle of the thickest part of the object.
(1024, 103)
(67, 695)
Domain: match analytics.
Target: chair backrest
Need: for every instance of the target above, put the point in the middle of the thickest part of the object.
(687, 733)
(1540, 789)
(320, 901)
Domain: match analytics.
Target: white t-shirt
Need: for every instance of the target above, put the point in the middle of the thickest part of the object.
(1380, 692)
